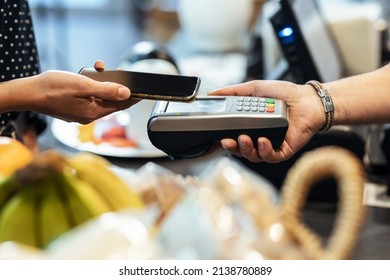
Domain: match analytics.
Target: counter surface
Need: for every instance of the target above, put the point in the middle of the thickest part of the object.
(373, 242)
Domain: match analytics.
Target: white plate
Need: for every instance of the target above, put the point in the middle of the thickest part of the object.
(67, 133)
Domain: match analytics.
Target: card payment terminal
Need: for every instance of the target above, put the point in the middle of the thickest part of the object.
(189, 130)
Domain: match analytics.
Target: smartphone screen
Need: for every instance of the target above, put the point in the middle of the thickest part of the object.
(150, 85)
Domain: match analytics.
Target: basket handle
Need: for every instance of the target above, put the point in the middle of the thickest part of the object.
(349, 173)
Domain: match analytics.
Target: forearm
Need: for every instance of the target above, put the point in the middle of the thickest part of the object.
(362, 99)
(17, 95)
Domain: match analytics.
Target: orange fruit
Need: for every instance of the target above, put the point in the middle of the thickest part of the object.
(13, 156)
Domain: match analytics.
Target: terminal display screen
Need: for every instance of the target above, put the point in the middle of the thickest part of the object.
(198, 106)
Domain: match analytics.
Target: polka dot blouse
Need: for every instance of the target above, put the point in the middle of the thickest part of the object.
(18, 59)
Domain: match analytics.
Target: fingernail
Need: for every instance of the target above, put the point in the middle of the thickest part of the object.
(261, 145)
(242, 145)
(123, 93)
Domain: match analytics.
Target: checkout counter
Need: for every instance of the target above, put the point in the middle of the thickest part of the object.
(319, 215)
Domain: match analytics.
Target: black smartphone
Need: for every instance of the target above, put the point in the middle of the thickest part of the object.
(149, 85)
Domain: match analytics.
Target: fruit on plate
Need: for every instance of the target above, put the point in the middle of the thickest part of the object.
(103, 131)
(86, 133)
(114, 132)
(117, 137)
(55, 193)
(14, 155)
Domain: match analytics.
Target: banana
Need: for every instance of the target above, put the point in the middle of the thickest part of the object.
(55, 193)
(18, 218)
(91, 157)
(82, 199)
(7, 190)
(95, 170)
(53, 213)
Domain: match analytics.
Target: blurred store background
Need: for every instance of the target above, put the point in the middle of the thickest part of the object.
(72, 33)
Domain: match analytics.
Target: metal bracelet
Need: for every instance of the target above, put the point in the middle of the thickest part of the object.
(327, 102)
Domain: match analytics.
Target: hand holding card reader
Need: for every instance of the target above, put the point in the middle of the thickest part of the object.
(189, 130)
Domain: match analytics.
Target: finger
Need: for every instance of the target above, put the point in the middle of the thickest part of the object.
(99, 65)
(107, 107)
(268, 153)
(231, 145)
(245, 89)
(98, 108)
(110, 91)
(247, 149)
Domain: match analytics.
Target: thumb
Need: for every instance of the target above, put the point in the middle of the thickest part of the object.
(112, 92)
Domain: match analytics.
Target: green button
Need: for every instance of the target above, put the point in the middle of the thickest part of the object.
(270, 101)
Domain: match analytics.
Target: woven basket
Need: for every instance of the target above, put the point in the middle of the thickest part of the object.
(349, 174)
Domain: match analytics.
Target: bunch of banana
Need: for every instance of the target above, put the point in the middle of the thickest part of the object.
(55, 193)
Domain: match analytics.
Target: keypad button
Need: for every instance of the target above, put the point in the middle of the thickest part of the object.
(255, 104)
(270, 101)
